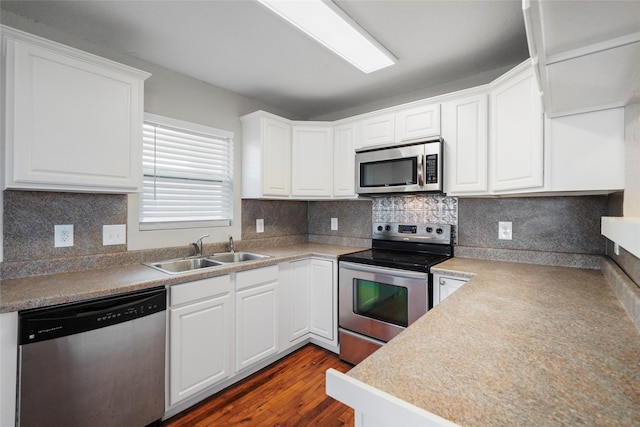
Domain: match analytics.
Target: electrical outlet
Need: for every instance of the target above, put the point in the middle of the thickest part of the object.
(616, 248)
(505, 230)
(62, 236)
(334, 223)
(260, 225)
(114, 234)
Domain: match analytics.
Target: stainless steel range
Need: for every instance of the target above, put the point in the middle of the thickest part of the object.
(383, 290)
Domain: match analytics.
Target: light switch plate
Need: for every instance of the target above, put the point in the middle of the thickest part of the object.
(334, 223)
(505, 231)
(260, 225)
(114, 234)
(63, 236)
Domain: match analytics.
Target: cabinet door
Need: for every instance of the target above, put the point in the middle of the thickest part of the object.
(276, 157)
(417, 122)
(200, 342)
(444, 286)
(321, 313)
(300, 299)
(516, 133)
(465, 137)
(378, 130)
(312, 165)
(344, 158)
(256, 324)
(74, 120)
(597, 138)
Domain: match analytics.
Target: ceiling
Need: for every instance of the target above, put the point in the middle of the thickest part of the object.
(241, 46)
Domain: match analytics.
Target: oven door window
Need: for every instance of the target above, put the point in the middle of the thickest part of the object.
(389, 172)
(380, 301)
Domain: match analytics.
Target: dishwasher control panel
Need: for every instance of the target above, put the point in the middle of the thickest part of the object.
(53, 322)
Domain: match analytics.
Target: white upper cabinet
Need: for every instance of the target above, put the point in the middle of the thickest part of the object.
(378, 130)
(405, 123)
(73, 121)
(586, 53)
(417, 122)
(586, 151)
(344, 138)
(266, 156)
(312, 160)
(515, 143)
(464, 130)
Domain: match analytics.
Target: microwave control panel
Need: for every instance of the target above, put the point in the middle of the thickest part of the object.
(431, 169)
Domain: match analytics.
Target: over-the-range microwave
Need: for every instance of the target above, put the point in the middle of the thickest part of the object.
(414, 167)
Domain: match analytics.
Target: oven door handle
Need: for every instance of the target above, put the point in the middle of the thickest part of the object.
(383, 270)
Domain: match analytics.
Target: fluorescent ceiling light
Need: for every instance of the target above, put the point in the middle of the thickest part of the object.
(329, 25)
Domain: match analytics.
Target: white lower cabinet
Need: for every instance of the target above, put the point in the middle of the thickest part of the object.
(256, 315)
(443, 286)
(321, 301)
(201, 336)
(312, 300)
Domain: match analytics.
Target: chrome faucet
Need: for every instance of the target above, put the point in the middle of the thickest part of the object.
(231, 246)
(198, 245)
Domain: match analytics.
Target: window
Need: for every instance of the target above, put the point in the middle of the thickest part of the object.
(187, 174)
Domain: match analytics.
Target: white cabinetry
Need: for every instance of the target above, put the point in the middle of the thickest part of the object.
(516, 144)
(402, 124)
(344, 139)
(586, 151)
(418, 122)
(266, 156)
(312, 300)
(465, 134)
(73, 120)
(201, 336)
(256, 315)
(443, 286)
(378, 130)
(586, 53)
(322, 304)
(312, 160)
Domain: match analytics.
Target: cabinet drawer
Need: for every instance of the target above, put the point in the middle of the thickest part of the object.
(258, 276)
(200, 289)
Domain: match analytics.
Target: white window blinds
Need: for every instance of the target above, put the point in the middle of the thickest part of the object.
(188, 175)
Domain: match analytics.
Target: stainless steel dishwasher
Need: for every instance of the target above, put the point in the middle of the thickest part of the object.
(95, 363)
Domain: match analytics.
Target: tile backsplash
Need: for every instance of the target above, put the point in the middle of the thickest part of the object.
(421, 208)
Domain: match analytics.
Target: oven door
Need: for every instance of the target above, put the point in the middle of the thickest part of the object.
(390, 170)
(380, 302)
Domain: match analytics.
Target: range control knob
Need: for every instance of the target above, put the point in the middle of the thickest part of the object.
(429, 229)
(439, 230)
(387, 228)
(379, 228)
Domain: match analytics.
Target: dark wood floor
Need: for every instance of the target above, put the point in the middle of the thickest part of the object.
(289, 393)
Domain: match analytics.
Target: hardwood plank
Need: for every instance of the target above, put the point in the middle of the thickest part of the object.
(288, 393)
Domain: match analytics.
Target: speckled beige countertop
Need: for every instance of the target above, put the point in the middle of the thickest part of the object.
(518, 345)
(41, 291)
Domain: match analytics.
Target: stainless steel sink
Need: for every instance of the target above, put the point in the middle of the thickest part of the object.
(183, 265)
(231, 257)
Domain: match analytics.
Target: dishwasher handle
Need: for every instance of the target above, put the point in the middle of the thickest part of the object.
(55, 322)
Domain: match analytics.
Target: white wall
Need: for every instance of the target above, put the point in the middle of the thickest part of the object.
(175, 95)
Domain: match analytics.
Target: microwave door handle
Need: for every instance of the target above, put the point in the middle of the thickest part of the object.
(421, 170)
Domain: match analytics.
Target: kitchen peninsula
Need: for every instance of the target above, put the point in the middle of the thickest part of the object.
(519, 344)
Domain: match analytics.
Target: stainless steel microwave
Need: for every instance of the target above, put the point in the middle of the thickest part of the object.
(403, 168)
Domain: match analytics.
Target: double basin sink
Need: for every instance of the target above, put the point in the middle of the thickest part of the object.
(184, 265)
